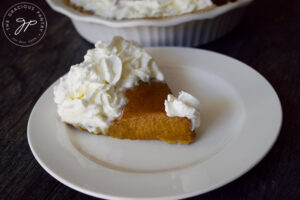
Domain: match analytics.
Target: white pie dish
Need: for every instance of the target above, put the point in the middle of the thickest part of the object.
(241, 118)
(185, 30)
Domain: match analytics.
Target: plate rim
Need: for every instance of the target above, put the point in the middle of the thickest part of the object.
(184, 195)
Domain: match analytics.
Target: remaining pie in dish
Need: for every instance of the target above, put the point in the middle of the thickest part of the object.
(143, 9)
(119, 91)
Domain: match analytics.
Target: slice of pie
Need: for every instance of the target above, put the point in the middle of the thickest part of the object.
(145, 118)
(118, 91)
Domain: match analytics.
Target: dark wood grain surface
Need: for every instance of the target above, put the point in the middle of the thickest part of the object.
(268, 39)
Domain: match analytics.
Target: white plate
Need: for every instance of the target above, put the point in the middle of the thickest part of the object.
(241, 118)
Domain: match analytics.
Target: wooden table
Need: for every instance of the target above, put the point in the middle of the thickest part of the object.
(268, 39)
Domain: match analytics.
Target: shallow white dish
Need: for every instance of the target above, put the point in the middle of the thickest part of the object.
(241, 118)
(185, 30)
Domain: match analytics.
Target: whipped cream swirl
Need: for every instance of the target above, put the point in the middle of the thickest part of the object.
(185, 105)
(132, 9)
(92, 94)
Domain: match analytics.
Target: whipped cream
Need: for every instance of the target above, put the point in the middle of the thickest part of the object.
(185, 105)
(131, 9)
(92, 94)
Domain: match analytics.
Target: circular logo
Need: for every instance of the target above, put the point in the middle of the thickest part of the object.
(24, 24)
